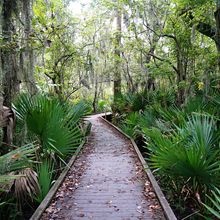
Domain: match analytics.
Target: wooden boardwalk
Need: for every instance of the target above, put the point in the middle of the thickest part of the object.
(107, 182)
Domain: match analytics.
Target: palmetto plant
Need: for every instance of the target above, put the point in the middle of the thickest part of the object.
(15, 160)
(136, 121)
(56, 125)
(196, 104)
(56, 128)
(189, 153)
(16, 173)
(45, 175)
(131, 124)
(215, 201)
(173, 115)
(136, 101)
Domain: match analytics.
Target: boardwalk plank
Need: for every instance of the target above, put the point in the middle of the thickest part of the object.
(107, 182)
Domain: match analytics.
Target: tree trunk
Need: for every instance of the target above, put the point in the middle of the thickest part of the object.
(94, 103)
(117, 73)
(8, 56)
(212, 32)
(29, 53)
(9, 61)
(1, 81)
(126, 69)
(181, 77)
(217, 38)
(150, 82)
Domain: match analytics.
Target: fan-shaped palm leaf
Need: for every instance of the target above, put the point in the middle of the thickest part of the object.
(27, 184)
(215, 200)
(55, 124)
(186, 153)
(17, 159)
(45, 175)
(201, 132)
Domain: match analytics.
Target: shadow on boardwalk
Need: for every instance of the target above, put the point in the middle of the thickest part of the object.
(107, 182)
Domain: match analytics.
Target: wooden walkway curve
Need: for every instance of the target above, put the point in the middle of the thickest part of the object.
(107, 182)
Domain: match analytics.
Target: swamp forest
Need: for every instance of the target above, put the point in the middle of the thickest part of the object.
(153, 64)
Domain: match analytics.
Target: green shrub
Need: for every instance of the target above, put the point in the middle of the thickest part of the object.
(189, 153)
(103, 106)
(130, 103)
(56, 125)
(130, 123)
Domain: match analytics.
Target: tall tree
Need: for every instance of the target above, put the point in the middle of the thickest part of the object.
(8, 54)
(28, 55)
(209, 23)
(217, 38)
(1, 76)
(117, 71)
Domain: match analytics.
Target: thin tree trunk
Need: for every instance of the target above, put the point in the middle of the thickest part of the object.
(180, 78)
(217, 37)
(130, 83)
(1, 81)
(117, 73)
(94, 103)
(150, 82)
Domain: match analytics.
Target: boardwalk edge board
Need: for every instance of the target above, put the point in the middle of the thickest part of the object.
(44, 204)
(169, 214)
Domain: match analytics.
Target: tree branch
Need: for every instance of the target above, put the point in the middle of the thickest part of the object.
(207, 30)
(161, 59)
(202, 27)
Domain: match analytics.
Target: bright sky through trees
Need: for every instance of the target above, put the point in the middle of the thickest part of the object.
(76, 6)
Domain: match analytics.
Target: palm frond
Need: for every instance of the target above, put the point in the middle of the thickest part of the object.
(55, 124)
(17, 159)
(215, 201)
(201, 131)
(26, 185)
(45, 175)
(186, 153)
